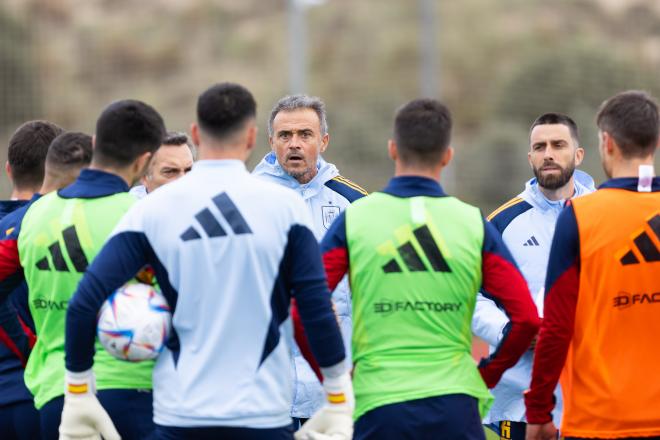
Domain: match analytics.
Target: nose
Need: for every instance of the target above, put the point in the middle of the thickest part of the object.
(294, 142)
(549, 154)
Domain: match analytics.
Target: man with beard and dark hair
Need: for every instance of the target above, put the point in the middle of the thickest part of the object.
(601, 326)
(527, 224)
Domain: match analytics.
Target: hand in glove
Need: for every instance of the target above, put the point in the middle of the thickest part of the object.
(83, 417)
(334, 421)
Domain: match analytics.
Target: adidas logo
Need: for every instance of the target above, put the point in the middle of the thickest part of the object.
(644, 244)
(212, 226)
(412, 259)
(73, 248)
(532, 242)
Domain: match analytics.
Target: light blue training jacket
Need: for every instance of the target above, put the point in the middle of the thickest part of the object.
(326, 195)
(527, 224)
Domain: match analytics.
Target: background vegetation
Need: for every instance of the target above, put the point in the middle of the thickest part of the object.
(502, 63)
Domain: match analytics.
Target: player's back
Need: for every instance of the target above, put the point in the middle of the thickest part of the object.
(60, 235)
(609, 381)
(231, 368)
(414, 276)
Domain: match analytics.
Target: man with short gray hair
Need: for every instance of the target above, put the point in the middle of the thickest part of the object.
(298, 134)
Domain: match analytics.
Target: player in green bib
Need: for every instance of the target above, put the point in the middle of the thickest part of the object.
(416, 259)
(58, 237)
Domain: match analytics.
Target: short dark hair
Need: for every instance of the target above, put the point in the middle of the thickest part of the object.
(125, 130)
(631, 118)
(175, 138)
(422, 131)
(70, 150)
(27, 151)
(224, 108)
(557, 118)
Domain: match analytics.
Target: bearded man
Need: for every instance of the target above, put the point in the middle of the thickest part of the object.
(527, 224)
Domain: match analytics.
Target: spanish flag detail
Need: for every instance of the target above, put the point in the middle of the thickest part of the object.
(351, 184)
(78, 388)
(336, 399)
(508, 204)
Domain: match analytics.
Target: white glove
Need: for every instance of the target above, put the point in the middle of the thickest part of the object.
(83, 417)
(334, 421)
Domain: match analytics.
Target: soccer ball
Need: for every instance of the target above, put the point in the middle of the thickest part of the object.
(134, 323)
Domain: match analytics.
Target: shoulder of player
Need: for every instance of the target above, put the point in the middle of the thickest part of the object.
(346, 188)
(509, 211)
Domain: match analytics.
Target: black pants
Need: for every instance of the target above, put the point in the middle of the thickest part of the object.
(451, 417)
(130, 410)
(19, 421)
(220, 433)
(622, 438)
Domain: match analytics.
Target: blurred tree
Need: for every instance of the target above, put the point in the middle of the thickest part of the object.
(19, 98)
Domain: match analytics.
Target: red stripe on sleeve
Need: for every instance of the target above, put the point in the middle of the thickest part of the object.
(301, 340)
(32, 338)
(9, 260)
(506, 285)
(335, 262)
(552, 348)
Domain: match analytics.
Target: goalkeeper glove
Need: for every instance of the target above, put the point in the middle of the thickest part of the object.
(334, 421)
(83, 417)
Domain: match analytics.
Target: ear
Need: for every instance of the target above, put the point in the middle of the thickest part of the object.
(391, 150)
(324, 142)
(8, 170)
(447, 156)
(93, 141)
(251, 140)
(529, 159)
(140, 165)
(579, 156)
(608, 143)
(194, 133)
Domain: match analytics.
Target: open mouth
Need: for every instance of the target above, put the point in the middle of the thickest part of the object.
(295, 158)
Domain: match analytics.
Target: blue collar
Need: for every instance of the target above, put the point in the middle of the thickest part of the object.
(629, 183)
(7, 206)
(412, 186)
(91, 184)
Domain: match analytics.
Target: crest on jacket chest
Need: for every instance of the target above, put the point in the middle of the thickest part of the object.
(329, 213)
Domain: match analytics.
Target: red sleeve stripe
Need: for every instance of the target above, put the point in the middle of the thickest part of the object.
(301, 340)
(335, 262)
(505, 285)
(552, 347)
(9, 260)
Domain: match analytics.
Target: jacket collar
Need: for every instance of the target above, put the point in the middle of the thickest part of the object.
(91, 184)
(629, 183)
(413, 186)
(583, 182)
(270, 169)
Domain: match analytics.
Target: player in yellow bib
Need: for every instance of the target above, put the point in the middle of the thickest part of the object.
(416, 258)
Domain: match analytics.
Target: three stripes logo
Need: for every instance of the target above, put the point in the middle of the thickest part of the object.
(644, 245)
(411, 258)
(210, 224)
(73, 248)
(532, 242)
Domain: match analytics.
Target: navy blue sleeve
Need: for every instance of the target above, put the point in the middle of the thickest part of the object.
(306, 278)
(503, 216)
(504, 283)
(117, 262)
(561, 296)
(347, 189)
(565, 248)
